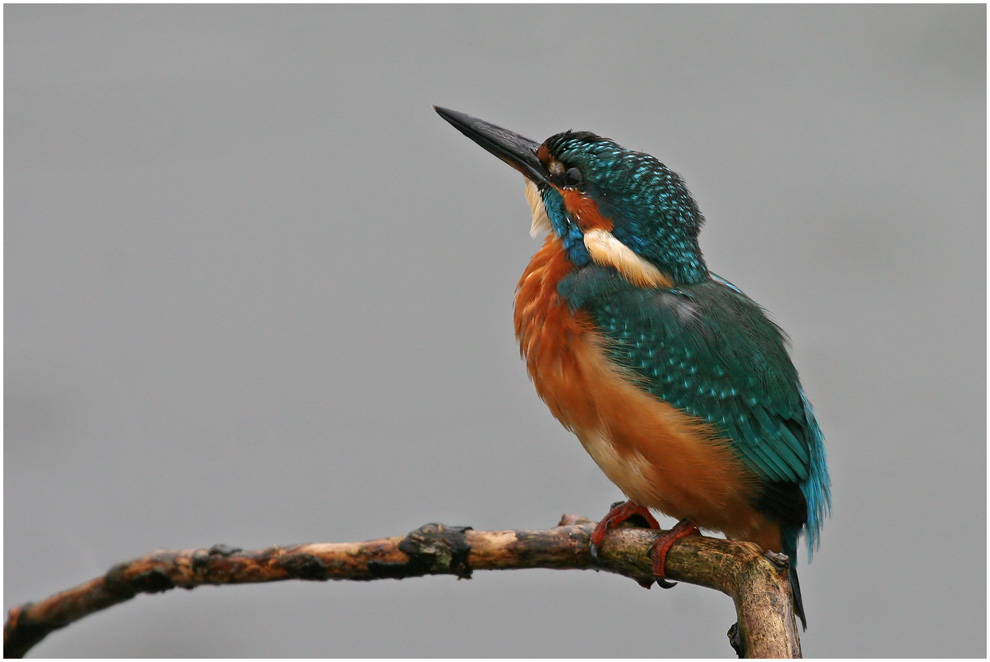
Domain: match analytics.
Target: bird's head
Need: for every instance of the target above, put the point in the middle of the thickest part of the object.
(607, 204)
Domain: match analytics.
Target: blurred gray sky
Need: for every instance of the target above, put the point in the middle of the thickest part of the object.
(257, 292)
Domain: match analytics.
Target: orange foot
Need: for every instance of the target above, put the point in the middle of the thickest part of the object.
(662, 545)
(621, 511)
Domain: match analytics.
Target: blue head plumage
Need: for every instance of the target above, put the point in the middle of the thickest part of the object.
(649, 206)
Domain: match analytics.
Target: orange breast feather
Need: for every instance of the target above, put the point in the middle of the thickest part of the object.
(659, 456)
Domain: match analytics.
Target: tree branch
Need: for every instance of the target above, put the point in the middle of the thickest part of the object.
(756, 580)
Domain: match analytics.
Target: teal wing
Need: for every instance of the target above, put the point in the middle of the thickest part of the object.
(710, 351)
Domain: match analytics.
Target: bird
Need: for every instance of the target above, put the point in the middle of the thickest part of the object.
(676, 383)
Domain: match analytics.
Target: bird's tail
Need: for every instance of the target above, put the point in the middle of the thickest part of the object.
(789, 540)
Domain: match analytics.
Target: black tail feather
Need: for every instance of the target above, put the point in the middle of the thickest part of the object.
(790, 539)
(796, 591)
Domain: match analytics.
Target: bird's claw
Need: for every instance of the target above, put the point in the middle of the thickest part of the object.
(617, 514)
(663, 543)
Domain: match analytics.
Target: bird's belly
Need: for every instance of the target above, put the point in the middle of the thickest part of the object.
(658, 456)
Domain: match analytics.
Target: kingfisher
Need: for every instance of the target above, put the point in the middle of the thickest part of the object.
(674, 381)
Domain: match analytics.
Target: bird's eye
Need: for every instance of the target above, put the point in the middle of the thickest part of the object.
(573, 177)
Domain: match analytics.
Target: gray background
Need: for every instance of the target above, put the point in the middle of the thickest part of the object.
(258, 293)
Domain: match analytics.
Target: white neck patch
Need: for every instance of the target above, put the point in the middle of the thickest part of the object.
(608, 251)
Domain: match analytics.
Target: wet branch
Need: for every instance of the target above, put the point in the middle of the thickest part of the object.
(755, 580)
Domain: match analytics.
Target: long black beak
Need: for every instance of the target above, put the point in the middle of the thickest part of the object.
(517, 151)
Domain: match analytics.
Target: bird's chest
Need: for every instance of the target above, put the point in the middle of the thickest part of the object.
(566, 360)
(565, 353)
(554, 340)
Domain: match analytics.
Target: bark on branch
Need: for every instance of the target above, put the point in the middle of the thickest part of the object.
(755, 580)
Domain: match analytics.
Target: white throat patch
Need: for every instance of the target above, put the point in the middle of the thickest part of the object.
(541, 222)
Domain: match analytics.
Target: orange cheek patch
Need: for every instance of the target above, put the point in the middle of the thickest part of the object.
(585, 211)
